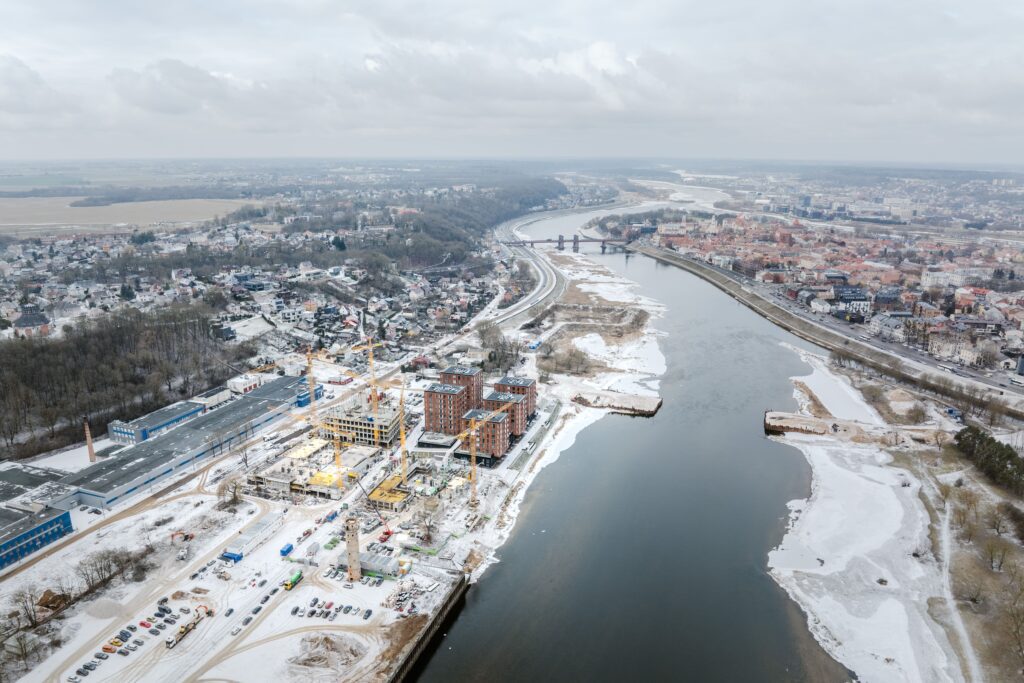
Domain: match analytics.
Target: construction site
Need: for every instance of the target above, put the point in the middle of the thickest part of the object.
(341, 509)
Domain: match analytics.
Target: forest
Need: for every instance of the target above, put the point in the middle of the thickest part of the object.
(120, 366)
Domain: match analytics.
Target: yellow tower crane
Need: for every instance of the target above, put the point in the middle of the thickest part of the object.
(368, 346)
(471, 433)
(401, 434)
(336, 434)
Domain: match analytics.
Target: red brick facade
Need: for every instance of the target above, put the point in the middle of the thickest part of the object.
(443, 408)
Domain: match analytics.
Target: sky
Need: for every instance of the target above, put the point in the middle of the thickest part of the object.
(923, 81)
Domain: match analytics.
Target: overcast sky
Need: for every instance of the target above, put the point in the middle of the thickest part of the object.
(889, 80)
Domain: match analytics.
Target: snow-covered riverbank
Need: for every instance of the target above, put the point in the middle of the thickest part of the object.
(857, 556)
(630, 365)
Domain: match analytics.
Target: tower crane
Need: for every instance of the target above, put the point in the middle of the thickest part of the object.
(336, 434)
(471, 433)
(369, 346)
(401, 434)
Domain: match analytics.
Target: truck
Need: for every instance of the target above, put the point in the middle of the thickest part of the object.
(332, 515)
(292, 581)
(201, 613)
(287, 549)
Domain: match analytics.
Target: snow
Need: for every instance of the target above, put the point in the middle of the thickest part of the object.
(864, 521)
(836, 393)
(71, 459)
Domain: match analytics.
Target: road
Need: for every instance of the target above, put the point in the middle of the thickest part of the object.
(774, 301)
(551, 283)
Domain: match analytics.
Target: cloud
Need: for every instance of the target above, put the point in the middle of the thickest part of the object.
(873, 79)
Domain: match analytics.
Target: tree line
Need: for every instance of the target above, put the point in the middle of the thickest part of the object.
(996, 460)
(119, 366)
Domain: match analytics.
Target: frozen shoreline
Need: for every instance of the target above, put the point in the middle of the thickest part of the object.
(635, 367)
(848, 556)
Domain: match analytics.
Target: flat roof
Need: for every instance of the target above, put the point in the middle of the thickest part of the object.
(461, 370)
(128, 464)
(517, 381)
(166, 414)
(306, 449)
(478, 414)
(437, 439)
(14, 523)
(17, 478)
(387, 491)
(438, 388)
(504, 397)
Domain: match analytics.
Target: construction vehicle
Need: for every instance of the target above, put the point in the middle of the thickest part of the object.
(201, 613)
(183, 553)
(401, 434)
(292, 581)
(183, 535)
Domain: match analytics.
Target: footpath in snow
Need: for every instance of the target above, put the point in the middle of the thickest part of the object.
(857, 556)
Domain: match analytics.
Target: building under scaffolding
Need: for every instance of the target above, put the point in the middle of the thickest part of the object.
(356, 416)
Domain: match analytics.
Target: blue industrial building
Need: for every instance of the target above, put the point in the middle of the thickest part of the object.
(23, 533)
(147, 426)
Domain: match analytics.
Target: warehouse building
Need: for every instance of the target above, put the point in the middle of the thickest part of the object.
(147, 426)
(23, 533)
(214, 433)
(253, 537)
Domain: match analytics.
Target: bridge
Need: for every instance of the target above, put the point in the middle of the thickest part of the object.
(576, 241)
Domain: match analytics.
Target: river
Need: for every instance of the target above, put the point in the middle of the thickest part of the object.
(640, 554)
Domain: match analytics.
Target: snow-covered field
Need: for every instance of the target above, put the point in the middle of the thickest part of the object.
(848, 557)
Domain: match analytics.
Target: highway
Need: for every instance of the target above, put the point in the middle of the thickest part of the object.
(551, 283)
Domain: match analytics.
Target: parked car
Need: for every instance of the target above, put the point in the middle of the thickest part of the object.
(329, 605)
(161, 626)
(89, 666)
(138, 641)
(229, 611)
(116, 642)
(162, 601)
(245, 622)
(264, 599)
(131, 646)
(367, 613)
(101, 655)
(312, 603)
(74, 679)
(236, 630)
(302, 611)
(262, 583)
(123, 652)
(295, 610)
(348, 608)
(185, 609)
(132, 627)
(333, 616)
(154, 632)
(145, 624)
(109, 648)
(256, 609)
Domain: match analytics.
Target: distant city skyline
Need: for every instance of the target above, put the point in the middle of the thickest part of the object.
(934, 83)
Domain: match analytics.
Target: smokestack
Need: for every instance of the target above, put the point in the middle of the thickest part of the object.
(355, 571)
(88, 441)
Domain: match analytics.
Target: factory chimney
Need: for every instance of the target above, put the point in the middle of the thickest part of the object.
(355, 572)
(88, 441)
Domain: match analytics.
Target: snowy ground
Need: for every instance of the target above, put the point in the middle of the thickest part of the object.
(71, 459)
(848, 556)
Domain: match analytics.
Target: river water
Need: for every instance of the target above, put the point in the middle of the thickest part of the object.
(641, 553)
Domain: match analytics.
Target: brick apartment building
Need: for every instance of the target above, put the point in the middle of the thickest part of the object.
(492, 435)
(443, 408)
(469, 377)
(521, 386)
(495, 400)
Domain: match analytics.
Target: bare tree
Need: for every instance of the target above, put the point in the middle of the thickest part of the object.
(25, 602)
(996, 521)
